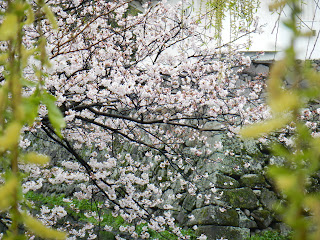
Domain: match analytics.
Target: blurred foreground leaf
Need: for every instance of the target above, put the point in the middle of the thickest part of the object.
(258, 129)
(37, 227)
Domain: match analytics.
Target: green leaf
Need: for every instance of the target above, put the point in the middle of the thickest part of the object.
(284, 178)
(284, 102)
(259, 129)
(50, 16)
(25, 54)
(36, 158)
(280, 150)
(54, 113)
(3, 98)
(9, 27)
(277, 5)
(30, 107)
(30, 16)
(4, 58)
(7, 191)
(28, 83)
(11, 136)
(310, 93)
(275, 89)
(289, 24)
(11, 236)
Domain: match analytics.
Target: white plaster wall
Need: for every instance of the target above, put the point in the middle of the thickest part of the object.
(275, 36)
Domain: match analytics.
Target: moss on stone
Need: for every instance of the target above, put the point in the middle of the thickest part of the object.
(240, 198)
(214, 215)
(253, 181)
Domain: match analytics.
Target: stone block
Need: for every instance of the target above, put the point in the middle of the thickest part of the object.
(268, 198)
(181, 217)
(189, 202)
(200, 203)
(283, 228)
(229, 165)
(262, 70)
(214, 215)
(219, 180)
(253, 181)
(257, 70)
(246, 222)
(262, 217)
(239, 198)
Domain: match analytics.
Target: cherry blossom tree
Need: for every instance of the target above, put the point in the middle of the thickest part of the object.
(150, 78)
(133, 90)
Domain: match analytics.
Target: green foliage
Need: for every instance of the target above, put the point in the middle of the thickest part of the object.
(300, 210)
(241, 11)
(55, 116)
(16, 110)
(268, 235)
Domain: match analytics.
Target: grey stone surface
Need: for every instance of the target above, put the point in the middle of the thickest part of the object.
(178, 187)
(245, 221)
(213, 125)
(229, 165)
(257, 70)
(262, 70)
(225, 232)
(191, 143)
(283, 228)
(48, 189)
(200, 203)
(189, 202)
(182, 217)
(218, 180)
(268, 198)
(262, 217)
(242, 147)
(257, 192)
(214, 215)
(253, 181)
(239, 198)
(238, 178)
(275, 160)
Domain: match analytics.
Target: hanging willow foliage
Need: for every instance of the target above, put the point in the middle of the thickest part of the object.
(241, 13)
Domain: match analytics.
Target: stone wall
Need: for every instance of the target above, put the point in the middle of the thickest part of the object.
(234, 198)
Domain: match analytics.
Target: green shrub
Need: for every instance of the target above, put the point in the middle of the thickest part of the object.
(269, 235)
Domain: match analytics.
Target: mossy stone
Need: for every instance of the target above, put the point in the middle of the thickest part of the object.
(253, 181)
(262, 217)
(239, 198)
(229, 165)
(223, 181)
(189, 202)
(268, 198)
(214, 215)
(218, 180)
(246, 222)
